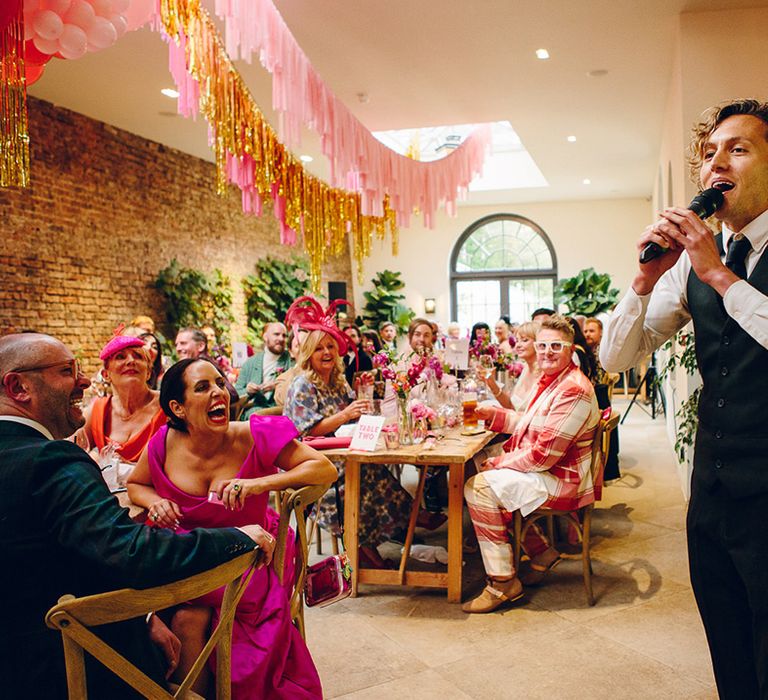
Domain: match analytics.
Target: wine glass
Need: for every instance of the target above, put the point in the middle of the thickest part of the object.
(486, 366)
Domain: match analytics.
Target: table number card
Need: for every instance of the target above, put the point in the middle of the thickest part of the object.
(457, 353)
(366, 433)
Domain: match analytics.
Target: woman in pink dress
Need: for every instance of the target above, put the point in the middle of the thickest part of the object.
(203, 471)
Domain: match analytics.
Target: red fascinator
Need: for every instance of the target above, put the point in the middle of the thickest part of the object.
(307, 313)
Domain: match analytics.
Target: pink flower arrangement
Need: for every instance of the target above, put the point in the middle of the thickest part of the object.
(515, 369)
(421, 411)
(416, 370)
(401, 383)
(484, 347)
(436, 366)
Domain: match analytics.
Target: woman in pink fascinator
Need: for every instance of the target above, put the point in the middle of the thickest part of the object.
(127, 419)
(319, 401)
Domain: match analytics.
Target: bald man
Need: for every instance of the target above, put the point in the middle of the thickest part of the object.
(61, 531)
(257, 376)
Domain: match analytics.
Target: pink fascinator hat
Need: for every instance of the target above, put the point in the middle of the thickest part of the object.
(308, 314)
(118, 343)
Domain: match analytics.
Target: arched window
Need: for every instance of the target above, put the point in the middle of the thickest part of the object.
(502, 265)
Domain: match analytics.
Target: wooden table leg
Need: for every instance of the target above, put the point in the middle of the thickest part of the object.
(415, 508)
(455, 530)
(352, 516)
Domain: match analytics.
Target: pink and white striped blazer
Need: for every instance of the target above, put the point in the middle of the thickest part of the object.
(554, 435)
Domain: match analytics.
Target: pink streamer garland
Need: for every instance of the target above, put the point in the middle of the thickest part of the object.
(359, 162)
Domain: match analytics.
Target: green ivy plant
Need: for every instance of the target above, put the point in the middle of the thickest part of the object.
(193, 298)
(587, 293)
(683, 354)
(385, 303)
(271, 290)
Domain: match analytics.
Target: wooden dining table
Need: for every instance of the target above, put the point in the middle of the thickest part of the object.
(451, 451)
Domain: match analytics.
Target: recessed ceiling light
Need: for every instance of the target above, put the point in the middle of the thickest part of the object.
(586, 181)
(542, 54)
(170, 92)
(571, 139)
(306, 159)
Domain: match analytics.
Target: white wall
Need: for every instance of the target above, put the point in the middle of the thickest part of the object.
(598, 233)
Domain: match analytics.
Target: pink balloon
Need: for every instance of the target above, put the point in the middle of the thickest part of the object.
(120, 6)
(101, 33)
(119, 23)
(80, 15)
(72, 42)
(138, 13)
(103, 8)
(45, 45)
(48, 25)
(60, 7)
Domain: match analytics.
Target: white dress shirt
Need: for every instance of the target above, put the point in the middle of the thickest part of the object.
(640, 324)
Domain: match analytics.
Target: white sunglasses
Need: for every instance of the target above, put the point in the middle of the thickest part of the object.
(553, 345)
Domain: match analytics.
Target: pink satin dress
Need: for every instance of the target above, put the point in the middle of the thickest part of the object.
(269, 657)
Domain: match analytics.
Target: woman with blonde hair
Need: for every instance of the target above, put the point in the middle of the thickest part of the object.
(525, 335)
(319, 401)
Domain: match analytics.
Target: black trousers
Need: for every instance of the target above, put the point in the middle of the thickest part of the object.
(728, 555)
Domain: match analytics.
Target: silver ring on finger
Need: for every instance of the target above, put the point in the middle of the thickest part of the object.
(236, 488)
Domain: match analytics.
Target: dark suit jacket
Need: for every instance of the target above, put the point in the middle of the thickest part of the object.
(61, 531)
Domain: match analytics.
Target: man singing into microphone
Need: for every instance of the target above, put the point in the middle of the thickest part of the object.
(725, 295)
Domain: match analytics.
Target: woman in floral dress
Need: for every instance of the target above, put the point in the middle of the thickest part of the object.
(318, 402)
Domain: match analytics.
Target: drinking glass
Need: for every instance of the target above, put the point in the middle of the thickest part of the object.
(469, 403)
(486, 366)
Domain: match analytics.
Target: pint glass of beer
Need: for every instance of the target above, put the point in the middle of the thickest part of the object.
(469, 403)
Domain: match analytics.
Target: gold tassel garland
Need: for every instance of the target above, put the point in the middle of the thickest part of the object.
(14, 126)
(326, 214)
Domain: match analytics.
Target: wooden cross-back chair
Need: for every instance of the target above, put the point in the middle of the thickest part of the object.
(581, 518)
(73, 616)
(296, 503)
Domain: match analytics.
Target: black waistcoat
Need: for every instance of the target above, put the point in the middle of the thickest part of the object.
(732, 437)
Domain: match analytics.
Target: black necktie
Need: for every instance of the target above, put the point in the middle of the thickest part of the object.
(735, 261)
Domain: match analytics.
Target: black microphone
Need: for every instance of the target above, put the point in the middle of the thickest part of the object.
(703, 205)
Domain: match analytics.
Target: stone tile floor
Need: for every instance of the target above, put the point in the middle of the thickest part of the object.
(643, 639)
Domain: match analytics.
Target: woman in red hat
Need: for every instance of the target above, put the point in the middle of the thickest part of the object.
(319, 401)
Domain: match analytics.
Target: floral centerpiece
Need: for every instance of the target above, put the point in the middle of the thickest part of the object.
(405, 374)
(419, 369)
(505, 363)
(424, 417)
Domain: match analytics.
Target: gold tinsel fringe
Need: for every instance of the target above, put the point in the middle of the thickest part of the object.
(14, 128)
(326, 215)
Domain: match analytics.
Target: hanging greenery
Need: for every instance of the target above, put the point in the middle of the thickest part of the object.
(682, 349)
(385, 303)
(588, 293)
(271, 290)
(193, 298)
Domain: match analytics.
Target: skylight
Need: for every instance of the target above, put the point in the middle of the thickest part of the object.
(508, 167)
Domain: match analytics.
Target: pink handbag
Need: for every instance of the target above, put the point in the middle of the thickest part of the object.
(328, 581)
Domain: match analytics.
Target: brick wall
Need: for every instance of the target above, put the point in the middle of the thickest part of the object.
(81, 247)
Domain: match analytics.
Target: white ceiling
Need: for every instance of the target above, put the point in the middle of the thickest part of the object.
(434, 62)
